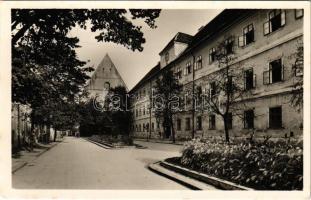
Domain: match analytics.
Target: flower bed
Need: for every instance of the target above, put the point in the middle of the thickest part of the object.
(262, 165)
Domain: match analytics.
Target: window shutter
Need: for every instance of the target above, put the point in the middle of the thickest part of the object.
(282, 73)
(266, 28)
(283, 18)
(254, 80)
(270, 74)
(266, 77)
(241, 41)
(244, 80)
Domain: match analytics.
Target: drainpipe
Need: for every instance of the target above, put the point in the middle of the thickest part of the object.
(193, 100)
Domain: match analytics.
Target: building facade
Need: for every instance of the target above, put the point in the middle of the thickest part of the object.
(104, 77)
(264, 43)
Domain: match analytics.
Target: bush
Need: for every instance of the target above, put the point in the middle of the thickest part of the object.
(263, 165)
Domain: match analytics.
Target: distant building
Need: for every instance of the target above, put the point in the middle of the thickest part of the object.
(104, 77)
(264, 41)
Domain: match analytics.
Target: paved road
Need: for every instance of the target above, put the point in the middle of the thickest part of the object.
(78, 164)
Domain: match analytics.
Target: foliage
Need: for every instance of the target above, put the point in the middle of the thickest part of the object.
(297, 90)
(93, 121)
(167, 88)
(227, 88)
(263, 165)
(44, 60)
(118, 111)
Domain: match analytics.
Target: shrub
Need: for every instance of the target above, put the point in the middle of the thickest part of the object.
(263, 165)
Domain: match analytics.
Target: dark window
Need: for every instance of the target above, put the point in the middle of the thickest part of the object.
(249, 119)
(275, 117)
(276, 21)
(229, 45)
(212, 55)
(167, 57)
(212, 122)
(249, 79)
(199, 123)
(178, 124)
(152, 126)
(188, 68)
(229, 120)
(248, 36)
(147, 127)
(198, 63)
(275, 72)
(298, 13)
(212, 89)
(107, 86)
(187, 124)
(230, 84)
(139, 127)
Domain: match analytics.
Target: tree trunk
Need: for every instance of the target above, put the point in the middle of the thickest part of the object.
(226, 129)
(173, 130)
(55, 135)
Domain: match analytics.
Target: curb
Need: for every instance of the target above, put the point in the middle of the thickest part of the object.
(19, 167)
(99, 144)
(161, 142)
(36, 156)
(179, 178)
(216, 182)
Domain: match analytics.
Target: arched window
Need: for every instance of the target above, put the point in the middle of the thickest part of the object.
(107, 86)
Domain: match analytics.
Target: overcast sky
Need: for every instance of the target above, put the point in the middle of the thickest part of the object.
(134, 65)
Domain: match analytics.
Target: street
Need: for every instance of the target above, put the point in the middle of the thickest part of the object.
(76, 163)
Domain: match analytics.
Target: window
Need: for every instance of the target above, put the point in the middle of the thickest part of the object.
(167, 56)
(248, 36)
(298, 68)
(136, 112)
(144, 111)
(107, 86)
(275, 117)
(249, 79)
(212, 55)
(147, 127)
(199, 123)
(187, 124)
(229, 45)
(144, 127)
(212, 89)
(212, 122)
(198, 63)
(152, 126)
(178, 73)
(178, 124)
(298, 13)
(139, 127)
(249, 119)
(229, 120)
(158, 125)
(276, 20)
(275, 72)
(187, 70)
(136, 128)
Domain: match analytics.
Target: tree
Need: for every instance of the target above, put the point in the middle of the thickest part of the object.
(226, 90)
(118, 105)
(166, 100)
(297, 89)
(44, 60)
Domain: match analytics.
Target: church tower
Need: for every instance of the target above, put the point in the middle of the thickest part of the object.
(104, 77)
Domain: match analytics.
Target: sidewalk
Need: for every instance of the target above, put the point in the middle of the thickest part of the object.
(23, 157)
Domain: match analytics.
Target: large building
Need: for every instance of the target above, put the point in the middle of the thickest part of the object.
(264, 43)
(104, 77)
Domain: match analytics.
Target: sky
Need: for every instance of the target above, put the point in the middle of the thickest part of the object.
(132, 66)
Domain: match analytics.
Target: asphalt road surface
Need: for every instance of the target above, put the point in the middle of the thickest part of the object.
(78, 164)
